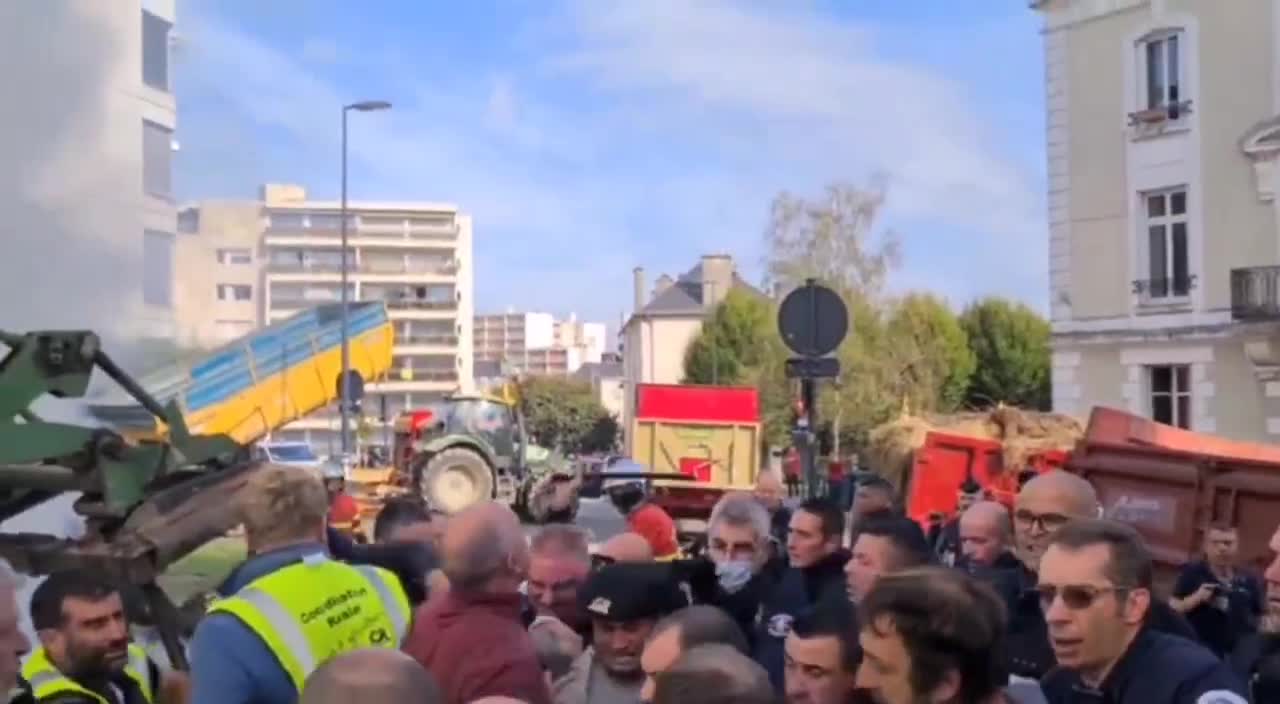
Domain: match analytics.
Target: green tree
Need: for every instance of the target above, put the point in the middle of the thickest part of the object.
(1010, 342)
(932, 352)
(564, 414)
(731, 342)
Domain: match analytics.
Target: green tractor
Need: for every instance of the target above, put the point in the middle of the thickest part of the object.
(474, 447)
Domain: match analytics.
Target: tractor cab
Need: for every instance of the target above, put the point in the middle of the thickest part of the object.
(485, 418)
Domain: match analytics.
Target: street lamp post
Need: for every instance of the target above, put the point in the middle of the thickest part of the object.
(345, 395)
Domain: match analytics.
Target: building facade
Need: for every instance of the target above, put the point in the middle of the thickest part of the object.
(88, 150)
(537, 343)
(665, 321)
(1163, 128)
(266, 260)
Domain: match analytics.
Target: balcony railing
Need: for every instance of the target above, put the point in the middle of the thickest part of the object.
(427, 340)
(414, 304)
(1156, 290)
(1255, 293)
(445, 268)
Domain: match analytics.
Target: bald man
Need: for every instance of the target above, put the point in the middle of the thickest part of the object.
(472, 638)
(625, 547)
(769, 492)
(370, 676)
(1043, 506)
(986, 536)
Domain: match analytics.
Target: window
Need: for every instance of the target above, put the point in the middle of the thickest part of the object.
(1166, 244)
(157, 160)
(155, 51)
(235, 292)
(157, 268)
(286, 221)
(189, 221)
(1170, 387)
(1163, 64)
(228, 257)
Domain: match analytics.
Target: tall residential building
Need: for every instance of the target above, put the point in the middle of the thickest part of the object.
(1163, 132)
(536, 343)
(263, 261)
(663, 323)
(88, 141)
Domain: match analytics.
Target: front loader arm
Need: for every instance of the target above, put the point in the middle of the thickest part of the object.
(146, 504)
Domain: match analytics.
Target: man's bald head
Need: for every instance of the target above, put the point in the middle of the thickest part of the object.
(481, 545)
(370, 676)
(1043, 506)
(626, 547)
(769, 489)
(1070, 493)
(985, 532)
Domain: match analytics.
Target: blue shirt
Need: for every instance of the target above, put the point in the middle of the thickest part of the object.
(229, 663)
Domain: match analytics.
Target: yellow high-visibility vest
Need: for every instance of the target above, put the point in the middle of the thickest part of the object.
(312, 610)
(46, 680)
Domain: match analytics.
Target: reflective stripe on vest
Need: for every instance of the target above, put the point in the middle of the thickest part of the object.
(310, 611)
(46, 680)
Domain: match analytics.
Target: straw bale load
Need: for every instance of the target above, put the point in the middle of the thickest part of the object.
(1022, 433)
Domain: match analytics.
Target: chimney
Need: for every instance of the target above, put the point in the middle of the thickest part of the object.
(662, 284)
(638, 281)
(717, 278)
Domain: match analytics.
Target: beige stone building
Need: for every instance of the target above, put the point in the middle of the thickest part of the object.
(1163, 129)
(244, 264)
(664, 322)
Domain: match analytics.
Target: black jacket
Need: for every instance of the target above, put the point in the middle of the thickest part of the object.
(796, 591)
(743, 605)
(1157, 668)
(409, 561)
(1256, 660)
(1030, 654)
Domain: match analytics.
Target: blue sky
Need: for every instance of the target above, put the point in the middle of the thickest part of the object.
(589, 137)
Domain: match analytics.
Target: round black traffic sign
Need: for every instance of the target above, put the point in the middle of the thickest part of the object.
(812, 320)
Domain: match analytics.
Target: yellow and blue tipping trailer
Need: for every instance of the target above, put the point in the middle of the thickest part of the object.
(264, 380)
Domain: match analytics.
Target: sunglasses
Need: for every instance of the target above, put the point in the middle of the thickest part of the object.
(1075, 596)
(1047, 521)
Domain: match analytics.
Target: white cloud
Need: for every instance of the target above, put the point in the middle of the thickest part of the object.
(650, 133)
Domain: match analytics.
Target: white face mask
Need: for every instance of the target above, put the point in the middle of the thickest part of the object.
(733, 575)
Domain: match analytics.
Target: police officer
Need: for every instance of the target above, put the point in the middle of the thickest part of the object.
(292, 606)
(84, 656)
(1095, 588)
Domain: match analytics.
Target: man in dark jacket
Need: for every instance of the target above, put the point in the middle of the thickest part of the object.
(815, 570)
(1095, 587)
(1257, 656)
(769, 491)
(739, 568)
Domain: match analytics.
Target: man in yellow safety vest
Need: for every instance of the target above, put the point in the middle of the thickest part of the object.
(84, 656)
(292, 607)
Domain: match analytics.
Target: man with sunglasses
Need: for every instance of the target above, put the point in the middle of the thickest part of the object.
(1044, 505)
(1094, 588)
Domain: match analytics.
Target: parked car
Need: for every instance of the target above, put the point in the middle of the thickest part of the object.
(293, 454)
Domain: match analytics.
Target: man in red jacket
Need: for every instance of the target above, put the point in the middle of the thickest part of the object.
(645, 518)
(471, 638)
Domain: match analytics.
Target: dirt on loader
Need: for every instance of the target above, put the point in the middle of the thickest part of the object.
(891, 446)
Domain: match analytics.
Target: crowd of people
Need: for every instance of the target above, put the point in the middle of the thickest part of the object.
(819, 604)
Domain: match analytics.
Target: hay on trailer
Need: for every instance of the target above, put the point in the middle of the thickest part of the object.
(892, 446)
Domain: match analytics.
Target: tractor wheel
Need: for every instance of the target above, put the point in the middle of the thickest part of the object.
(456, 479)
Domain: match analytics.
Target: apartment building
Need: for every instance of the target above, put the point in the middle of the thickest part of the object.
(537, 343)
(88, 142)
(265, 260)
(665, 321)
(1163, 131)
